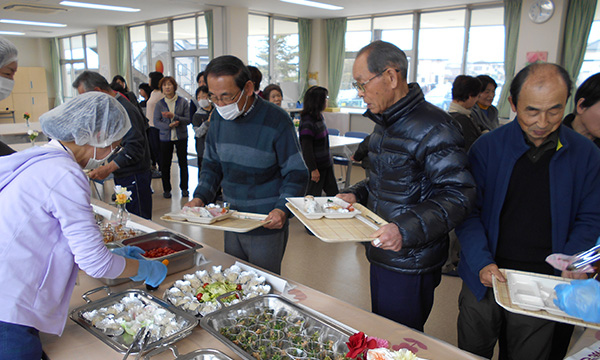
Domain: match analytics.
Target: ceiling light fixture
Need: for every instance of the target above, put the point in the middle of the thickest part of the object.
(11, 33)
(98, 6)
(314, 4)
(32, 23)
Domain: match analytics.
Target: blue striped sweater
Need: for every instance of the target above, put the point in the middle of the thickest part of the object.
(256, 159)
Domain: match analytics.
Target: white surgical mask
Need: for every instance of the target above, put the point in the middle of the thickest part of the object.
(6, 86)
(203, 103)
(231, 111)
(94, 163)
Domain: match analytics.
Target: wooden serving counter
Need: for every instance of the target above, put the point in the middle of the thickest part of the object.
(77, 343)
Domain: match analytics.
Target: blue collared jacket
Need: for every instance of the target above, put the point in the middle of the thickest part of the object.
(574, 197)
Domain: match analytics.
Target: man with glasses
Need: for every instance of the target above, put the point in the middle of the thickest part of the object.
(419, 182)
(253, 153)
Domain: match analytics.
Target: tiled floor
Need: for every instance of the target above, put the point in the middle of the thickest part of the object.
(340, 270)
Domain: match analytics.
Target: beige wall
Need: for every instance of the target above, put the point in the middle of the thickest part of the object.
(35, 52)
(541, 37)
(107, 51)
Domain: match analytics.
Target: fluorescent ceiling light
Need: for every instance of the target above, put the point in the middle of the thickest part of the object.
(98, 6)
(33, 23)
(315, 4)
(11, 33)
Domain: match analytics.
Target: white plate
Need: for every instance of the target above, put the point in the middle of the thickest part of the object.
(534, 293)
(298, 203)
(199, 219)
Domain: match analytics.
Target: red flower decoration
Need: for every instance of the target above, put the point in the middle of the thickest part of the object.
(358, 345)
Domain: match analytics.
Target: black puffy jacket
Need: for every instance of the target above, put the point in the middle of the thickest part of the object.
(419, 180)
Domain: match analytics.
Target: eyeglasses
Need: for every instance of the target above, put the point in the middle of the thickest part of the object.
(361, 86)
(226, 99)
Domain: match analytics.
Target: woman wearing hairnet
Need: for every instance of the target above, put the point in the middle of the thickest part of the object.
(8, 68)
(51, 232)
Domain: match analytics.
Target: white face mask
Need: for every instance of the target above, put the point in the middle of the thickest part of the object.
(6, 86)
(203, 103)
(231, 111)
(94, 163)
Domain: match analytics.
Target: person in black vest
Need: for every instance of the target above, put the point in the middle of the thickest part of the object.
(538, 190)
(131, 166)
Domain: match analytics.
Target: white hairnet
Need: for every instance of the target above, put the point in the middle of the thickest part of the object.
(8, 52)
(92, 118)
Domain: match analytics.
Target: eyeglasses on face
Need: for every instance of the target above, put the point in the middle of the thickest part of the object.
(361, 86)
(225, 99)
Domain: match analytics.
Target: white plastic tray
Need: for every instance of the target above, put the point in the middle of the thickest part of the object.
(534, 293)
(298, 203)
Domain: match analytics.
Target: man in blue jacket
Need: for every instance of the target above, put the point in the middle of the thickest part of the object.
(538, 190)
(419, 181)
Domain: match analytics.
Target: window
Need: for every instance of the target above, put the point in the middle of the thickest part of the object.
(487, 27)
(591, 60)
(439, 41)
(77, 54)
(139, 56)
(273, 47)
(181, 46)
(258, 46)
(397, 29)
(441, 46)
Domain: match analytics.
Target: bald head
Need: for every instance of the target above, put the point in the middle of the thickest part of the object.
(539, 96)
(539, 73)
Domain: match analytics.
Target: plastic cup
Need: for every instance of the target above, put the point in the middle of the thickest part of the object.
(295, 353)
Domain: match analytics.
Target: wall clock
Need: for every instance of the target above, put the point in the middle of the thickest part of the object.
(541, 11)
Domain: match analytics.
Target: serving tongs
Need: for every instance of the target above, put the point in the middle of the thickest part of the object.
(585, 258)
(141, 339)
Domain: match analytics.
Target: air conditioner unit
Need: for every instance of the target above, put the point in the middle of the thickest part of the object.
(37, 9)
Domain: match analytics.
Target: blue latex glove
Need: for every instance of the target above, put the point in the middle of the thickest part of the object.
(581, 298)
(131, 252)
(151, 271)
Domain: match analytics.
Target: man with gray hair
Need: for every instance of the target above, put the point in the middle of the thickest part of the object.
(419, 182)
(131, 166)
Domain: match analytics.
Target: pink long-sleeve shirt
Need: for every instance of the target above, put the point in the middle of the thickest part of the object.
(47, 232)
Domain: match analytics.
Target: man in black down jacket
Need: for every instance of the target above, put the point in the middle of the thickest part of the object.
(419, 182)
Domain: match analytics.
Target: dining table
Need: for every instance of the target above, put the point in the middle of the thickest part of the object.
(78, 343)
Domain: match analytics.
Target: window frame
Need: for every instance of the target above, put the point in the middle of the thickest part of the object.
(269, 79)
(72, 62)
(170, 69)
(413, 54)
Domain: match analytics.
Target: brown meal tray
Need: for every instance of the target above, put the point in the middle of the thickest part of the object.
(356, 229)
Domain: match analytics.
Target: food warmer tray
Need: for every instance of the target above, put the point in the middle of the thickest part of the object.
(331, 328)
(181, 260)
(120, 343)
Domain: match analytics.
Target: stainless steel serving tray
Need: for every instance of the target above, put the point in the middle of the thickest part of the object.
(202, 354)
(122, 342)
(183, 259)
(334, 330)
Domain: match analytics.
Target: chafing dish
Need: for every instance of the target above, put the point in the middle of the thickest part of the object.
(182, 259)
(280, 327)
(122, 342)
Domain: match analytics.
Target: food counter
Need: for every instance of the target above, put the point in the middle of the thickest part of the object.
(77, 343)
